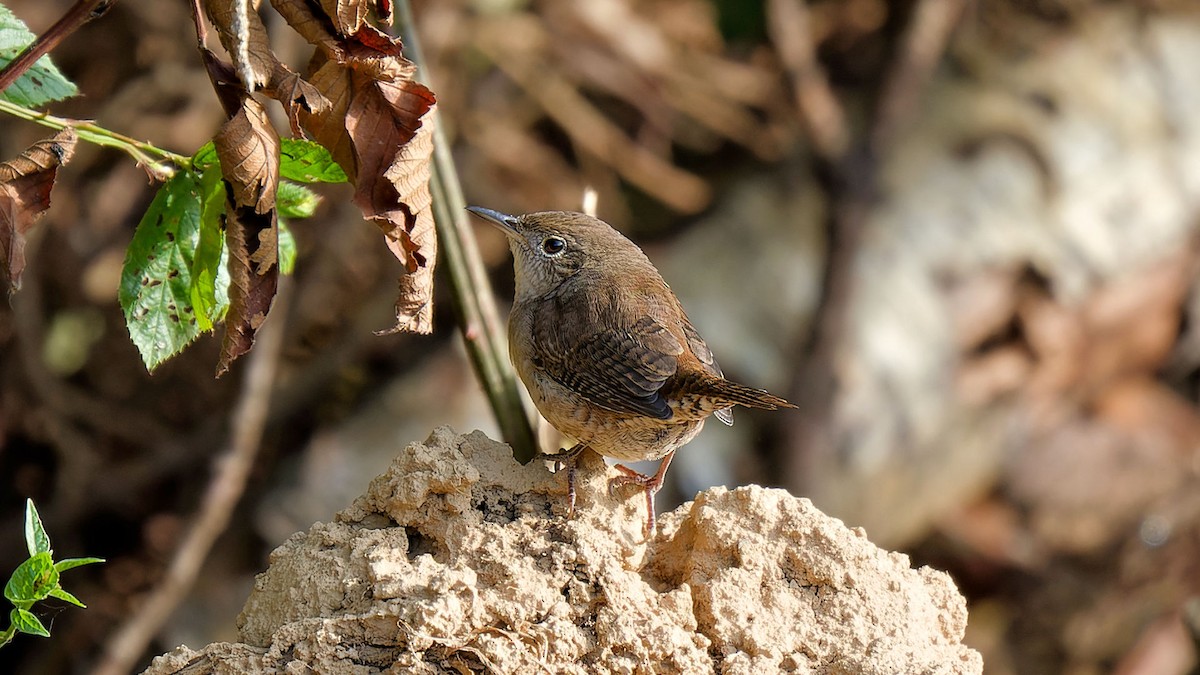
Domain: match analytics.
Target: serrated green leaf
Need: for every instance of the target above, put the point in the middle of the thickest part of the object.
(36, 538)
(205, 157)
(206, 265)
(308, 162)
(26, 622)
(72, 563)
(43, 82)
(63, 595)
(296, 201)
(32, 580)
(287, 248)
(156, 280)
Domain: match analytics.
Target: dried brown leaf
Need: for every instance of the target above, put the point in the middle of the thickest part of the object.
(380, 131)
(248, 148)
(229, 89)
(390, 126)
(414, 302)
(46, 155)
(348, 15)
(366, 49)
(296, 95)
(313, 28)
(25, 185)
(377, 54)
(246, 41)
(328, 127)
(252, 239)
(384, 12)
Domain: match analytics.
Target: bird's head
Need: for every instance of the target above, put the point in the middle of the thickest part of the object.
(550, 247)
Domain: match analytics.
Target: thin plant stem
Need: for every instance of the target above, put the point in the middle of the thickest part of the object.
(143, 153)
(225, 489)
(473, 297)
(80, 13)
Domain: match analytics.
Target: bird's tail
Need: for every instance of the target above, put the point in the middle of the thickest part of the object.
(739, 394)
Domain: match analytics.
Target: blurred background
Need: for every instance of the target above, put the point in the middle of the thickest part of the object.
(962, 235)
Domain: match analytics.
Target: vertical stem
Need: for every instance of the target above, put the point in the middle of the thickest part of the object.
(474, 301)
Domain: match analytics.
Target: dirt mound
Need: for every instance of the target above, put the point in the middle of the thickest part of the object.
(458, 559)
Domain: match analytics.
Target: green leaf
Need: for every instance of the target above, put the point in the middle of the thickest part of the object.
(25, 621)
(72, 563)
(156, 282)
(205, 157)
(208, 272)
(308, 162)
(287, 248)
(296, 201)
(36, 538)
(32, 580)
(40, 84)
(63, 595)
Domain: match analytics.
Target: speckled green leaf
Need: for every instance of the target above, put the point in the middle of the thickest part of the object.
(308, 162)
(40, 84)
(32, 580)
(156, 282)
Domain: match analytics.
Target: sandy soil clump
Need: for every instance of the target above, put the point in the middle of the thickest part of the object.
(458, 559)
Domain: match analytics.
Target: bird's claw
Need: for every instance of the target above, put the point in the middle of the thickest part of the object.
(650, 484)
(631, 477)
(567, 457)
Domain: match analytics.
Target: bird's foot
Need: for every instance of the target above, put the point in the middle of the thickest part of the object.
(631, 477)
(650, 484)
(567, 457)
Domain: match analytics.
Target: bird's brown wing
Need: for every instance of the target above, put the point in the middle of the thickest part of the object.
(625, 368)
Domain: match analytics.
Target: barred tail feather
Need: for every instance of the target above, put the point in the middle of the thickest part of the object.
(740, 394)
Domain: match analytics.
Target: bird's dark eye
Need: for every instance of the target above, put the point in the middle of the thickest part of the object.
(553, 245)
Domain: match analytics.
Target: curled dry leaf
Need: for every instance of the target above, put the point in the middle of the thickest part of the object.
(25, 184)
(247, 41)
(249, 152)
(366, 49)
(248, 148)
(287, 87)
(349, 15)
(328, 127)
(379, 128)
(245, 38)
(252, 239)
(313, 28)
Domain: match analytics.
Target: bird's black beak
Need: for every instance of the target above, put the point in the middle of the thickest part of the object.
(503, 221)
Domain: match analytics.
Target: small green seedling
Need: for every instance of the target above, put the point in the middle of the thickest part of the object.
(36, 579)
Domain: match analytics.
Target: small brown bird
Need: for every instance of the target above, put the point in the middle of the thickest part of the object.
(605, 349)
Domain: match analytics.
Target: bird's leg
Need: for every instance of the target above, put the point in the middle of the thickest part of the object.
(568, 457)
(651, 484)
